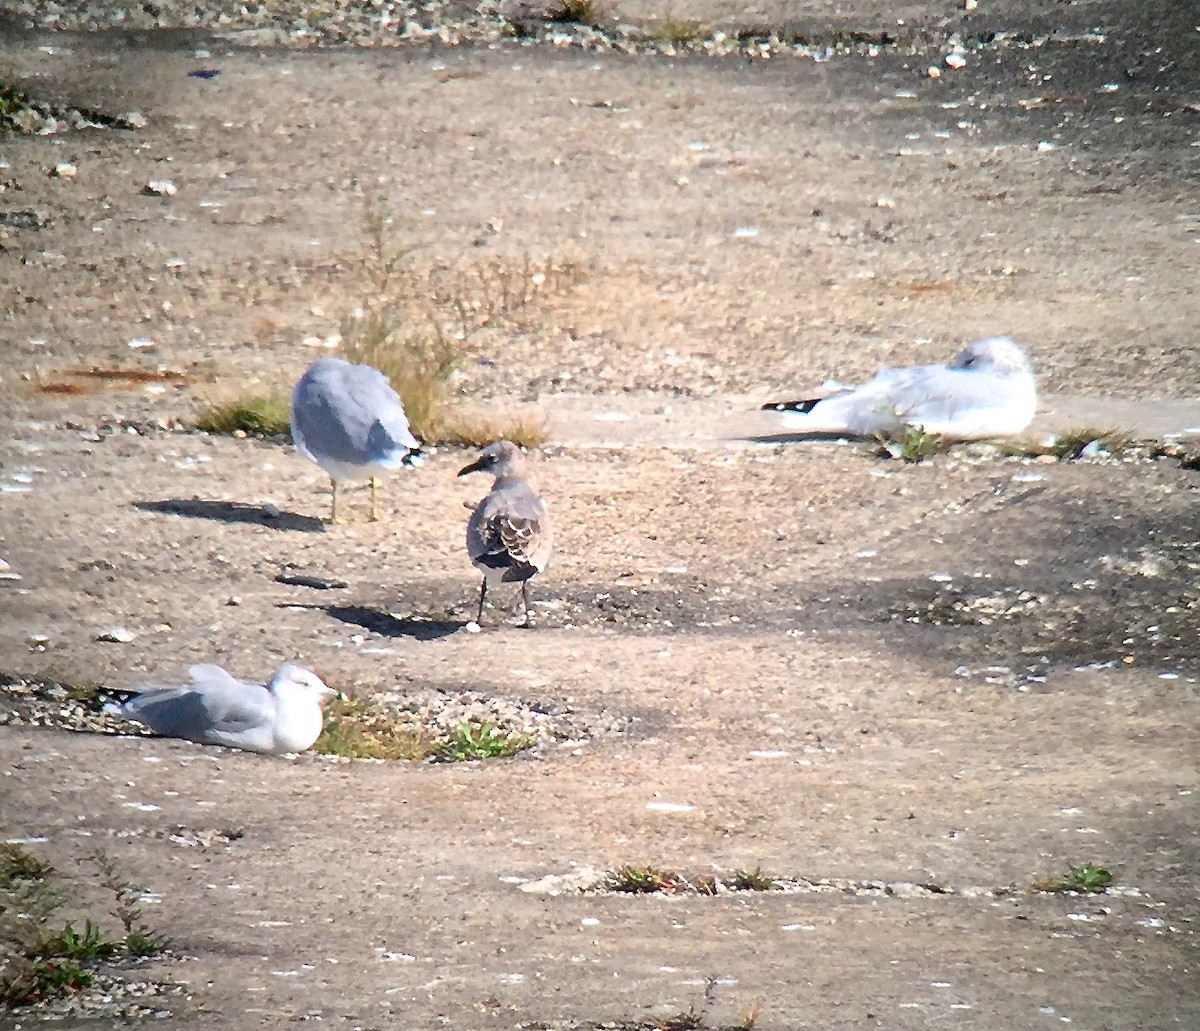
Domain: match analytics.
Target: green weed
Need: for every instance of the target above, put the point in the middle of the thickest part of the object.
(1086, 878)
(70, 943)
(911, 444)
(644, 880)
(484, 741)
(751, 880)
(36, 981)
(37, 964)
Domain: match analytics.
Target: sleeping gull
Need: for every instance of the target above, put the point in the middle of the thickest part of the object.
(987, 391)
(509, 537)
(349, 420)
(215, 709)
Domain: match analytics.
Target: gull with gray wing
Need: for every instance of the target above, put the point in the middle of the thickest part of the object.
(988, 390)
(282, 716)
(509, 537)
(348, 420)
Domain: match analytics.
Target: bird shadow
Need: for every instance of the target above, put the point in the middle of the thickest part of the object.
(800, 436)
(234, 512)
(419, 628)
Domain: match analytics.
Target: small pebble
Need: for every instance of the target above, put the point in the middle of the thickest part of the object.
(115, 635)
(64, 170)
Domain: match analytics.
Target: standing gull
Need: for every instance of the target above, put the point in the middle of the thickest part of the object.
(217, 709)
(988, 390)
(349, 420)
(509, 537)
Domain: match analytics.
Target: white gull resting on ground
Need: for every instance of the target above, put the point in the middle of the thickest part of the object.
(509, 537)
(349, 420)
(987, 391)
(216, 709)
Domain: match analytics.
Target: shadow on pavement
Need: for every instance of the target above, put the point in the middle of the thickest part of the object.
(234, 512)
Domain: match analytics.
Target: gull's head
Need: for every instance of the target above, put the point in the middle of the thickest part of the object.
(297, 682)
(503, 458)
(995, 354)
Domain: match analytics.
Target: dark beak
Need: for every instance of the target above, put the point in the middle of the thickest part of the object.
(477, 466)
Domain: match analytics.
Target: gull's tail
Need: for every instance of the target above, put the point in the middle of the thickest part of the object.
(803, 407)
(834, 413)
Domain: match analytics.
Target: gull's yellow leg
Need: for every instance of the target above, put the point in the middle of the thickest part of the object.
(374, 488)
(333, 503)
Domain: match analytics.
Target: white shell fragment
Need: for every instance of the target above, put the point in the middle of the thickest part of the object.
(160, 188)
(65, 170)
(955, 61)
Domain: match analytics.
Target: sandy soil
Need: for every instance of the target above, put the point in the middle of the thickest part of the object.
(965, 673)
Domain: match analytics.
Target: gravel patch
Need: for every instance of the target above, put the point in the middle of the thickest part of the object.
(392, 23)
(36, 701)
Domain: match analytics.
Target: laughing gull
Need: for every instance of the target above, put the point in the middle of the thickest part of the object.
(987, 391)
(216, 709)
(509, 537)
(349, 420)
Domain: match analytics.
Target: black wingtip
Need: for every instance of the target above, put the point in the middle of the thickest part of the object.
(414, 458)
(803, 407)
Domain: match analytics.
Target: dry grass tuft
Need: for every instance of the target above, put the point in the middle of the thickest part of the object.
(414, 325)
(527, 432)
(261, 416)
(675, 31)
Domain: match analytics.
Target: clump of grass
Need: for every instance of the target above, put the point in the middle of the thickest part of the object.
(1073, 444)
(644, 880)
(265, 416)
(911, 444)
(18, 864)
(40, 980)
(675, 31)
(751, 880)
(79, 945)
(418, 364)
(578, 12)
(1087, 878)
(526, 432)
(356, 730)
(12, 103)
(37, 964)
(484, 741)
(748, 1015)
